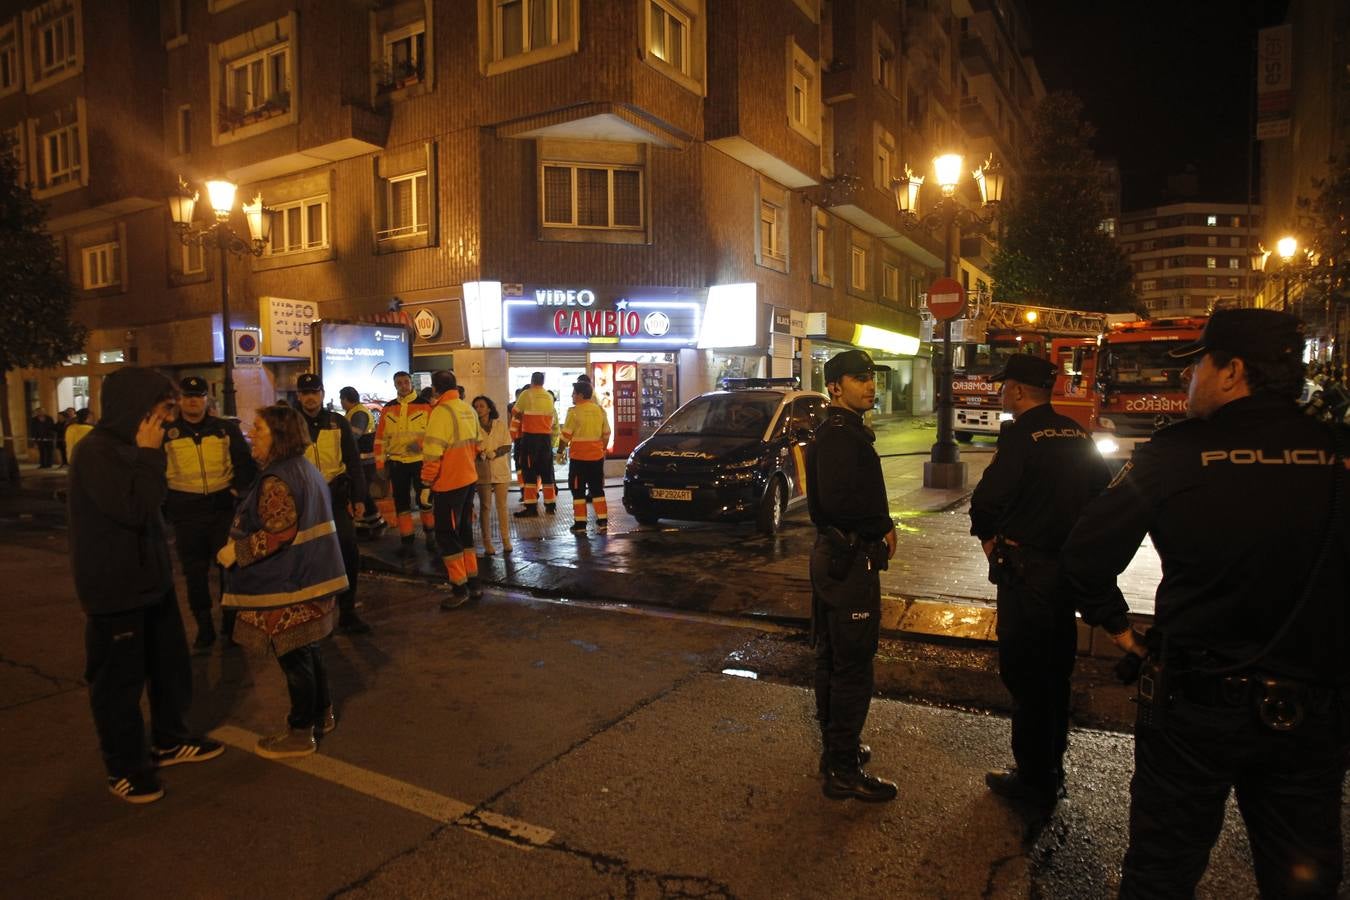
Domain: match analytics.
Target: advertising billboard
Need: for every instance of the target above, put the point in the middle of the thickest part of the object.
(364, 356)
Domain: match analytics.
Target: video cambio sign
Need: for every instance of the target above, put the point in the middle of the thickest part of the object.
(363, 356)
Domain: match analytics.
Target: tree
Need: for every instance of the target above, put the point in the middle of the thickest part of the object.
(1328, 275)
(1053, 250)
(36, 301)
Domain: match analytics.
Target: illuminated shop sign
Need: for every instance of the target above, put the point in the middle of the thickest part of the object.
(581, 316)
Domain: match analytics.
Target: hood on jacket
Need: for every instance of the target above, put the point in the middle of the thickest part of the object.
(129, 394)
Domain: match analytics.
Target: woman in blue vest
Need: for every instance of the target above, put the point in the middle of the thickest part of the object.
(283, 571)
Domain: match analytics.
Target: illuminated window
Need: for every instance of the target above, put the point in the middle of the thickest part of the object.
(405, 206)
(299, 226)
(822, 262)
(890, 282)
(192, 261)
(404, 57)
(259, 81)
(803, 92)
(857, 261)
(770, 231)
(579, 196)
(668, 34)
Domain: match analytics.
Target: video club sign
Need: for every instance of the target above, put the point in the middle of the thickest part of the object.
(627, 317)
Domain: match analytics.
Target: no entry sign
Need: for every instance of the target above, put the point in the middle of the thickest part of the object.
(946, 299)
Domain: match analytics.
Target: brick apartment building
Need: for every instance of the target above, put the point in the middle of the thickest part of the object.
(474, 168)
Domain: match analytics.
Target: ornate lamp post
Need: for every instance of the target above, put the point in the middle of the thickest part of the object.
(221, 195)
(945, 469)
(1286, 246)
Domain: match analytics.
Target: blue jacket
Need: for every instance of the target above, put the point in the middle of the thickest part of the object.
(310, 568)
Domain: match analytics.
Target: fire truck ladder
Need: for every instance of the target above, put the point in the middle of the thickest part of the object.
(1051, 319)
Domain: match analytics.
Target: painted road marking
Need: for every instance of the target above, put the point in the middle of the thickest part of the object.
(410, 797)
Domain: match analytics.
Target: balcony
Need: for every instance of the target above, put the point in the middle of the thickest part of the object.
(353, 130)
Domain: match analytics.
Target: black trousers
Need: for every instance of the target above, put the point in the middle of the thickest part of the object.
(846, 625)
(307, 683)
(124, 654)
(200, 529)
(406, 483)
(45, 449)
(1037, 643)
(1288, 792)
(340, 492)
(454, 520)
(586, 478)
(536, 458)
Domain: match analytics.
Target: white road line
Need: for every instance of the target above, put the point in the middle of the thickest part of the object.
(414, 799)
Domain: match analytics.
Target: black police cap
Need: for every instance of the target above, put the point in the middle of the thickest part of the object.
(194, 386)
(851, 362)
(309, 382)
(1029, 370)
(1261, 334)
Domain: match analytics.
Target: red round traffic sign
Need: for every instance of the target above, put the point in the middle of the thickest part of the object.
(946, 299)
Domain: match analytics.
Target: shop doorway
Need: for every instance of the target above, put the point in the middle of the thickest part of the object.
(72, 392)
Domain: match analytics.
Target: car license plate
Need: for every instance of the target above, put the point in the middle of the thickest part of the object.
(671, 494)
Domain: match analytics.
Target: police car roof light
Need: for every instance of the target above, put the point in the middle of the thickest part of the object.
(741, 384)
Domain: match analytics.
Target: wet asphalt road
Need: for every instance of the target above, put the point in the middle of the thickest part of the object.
(522, 748)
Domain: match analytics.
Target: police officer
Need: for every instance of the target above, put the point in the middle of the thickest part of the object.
(1246, 678)
(209, 465)
(855, 539)
(333, 451)
(1045, 469)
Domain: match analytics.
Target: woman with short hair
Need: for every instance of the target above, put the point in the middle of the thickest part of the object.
(283, 570)
(494, 472)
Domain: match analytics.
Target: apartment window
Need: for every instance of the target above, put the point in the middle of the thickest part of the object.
(56, 45)
(61, 156)
(102, 265)
(524, 26)
(403, 60)
(1148, 265)
(1212, 240)
(883, 59)
(1148, 284)
(184, 130)
(299, 226)
(884, 153)
(1211, 262)
(260, 81)
(9, 59)
(822, 261)
(890, 282)
(1234, 282)
(1127, 228)
(1211, 281)
(803, 93)
(576, 196)
(1235, 222)
(1211, 221)
(192, 260)
(770, 231)
(1148, 225)
(857, 267)
(175, 12)
(1235, 241)
(1234, 262)
(668, 34)
(405, 206)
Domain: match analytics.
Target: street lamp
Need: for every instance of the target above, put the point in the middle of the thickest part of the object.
(1286, 246)
(221, 193)
(944, 468)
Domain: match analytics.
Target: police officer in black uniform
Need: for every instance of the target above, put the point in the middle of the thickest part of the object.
(1043, 472)
(855, 539)
(334, 453)
(1245, 681)
(209, 466)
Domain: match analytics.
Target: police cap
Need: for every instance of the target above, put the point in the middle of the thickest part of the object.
(1262, 334)
(309, 382)
(851, 362)
(193, 386)
(1029, 370)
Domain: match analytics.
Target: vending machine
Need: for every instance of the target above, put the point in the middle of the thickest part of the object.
(658, 396)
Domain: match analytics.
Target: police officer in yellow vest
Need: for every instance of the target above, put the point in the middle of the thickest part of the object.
(333, 451)
(209, 466)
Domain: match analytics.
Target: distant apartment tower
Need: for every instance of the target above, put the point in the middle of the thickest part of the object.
(1189, 258)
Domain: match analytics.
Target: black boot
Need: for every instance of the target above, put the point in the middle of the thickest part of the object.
(1009, 784)
(528, 512)
(864, 757)
(841, 784)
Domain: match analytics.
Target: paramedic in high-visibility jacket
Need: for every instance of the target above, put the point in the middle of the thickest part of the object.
(333, 451)
(585, 435)
(208, 467)
(534, 426)
(398, 447)
(450, 471)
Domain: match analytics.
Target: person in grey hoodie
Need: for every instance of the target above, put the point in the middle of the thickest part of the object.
(134, 635)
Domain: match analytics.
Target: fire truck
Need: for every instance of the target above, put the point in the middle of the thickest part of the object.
(1123, 386)
(987, 337)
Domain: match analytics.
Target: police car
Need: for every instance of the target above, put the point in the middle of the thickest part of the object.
(729, 455)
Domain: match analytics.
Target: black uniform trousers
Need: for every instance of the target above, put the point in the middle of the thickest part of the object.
(1037, 643)
(126, 652)
(454, 525)
(846, 625)
(406, 483)
(307, 684)
(201, 526)
(586, 478)
(340, 491)
(536, 458)
(1288, 792)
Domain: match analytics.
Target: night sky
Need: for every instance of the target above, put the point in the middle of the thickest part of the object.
(1167, 83)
